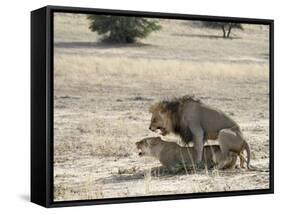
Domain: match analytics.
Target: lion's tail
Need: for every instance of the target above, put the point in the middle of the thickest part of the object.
(250, 167)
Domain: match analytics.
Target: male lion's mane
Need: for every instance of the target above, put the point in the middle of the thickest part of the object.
(172, 109)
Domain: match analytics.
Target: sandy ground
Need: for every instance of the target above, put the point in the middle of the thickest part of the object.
(103, 92)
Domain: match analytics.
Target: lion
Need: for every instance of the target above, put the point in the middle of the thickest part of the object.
(194, 121)
(171, 155)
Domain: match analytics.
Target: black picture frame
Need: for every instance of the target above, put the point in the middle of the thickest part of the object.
(42, 105)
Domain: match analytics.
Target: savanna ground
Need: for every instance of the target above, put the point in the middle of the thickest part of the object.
(103, 92)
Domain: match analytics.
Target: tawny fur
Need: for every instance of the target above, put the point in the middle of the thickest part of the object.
(194, 121)
(170, 154)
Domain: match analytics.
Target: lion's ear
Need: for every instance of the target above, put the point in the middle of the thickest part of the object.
(153, 108)
(163, 110)
(157, 107)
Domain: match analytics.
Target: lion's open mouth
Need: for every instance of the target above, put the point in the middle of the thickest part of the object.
(162, 130)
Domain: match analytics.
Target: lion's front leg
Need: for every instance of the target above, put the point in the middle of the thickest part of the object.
(198, 138)
(199, 146)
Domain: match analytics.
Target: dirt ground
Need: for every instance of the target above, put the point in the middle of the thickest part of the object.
(103, 92)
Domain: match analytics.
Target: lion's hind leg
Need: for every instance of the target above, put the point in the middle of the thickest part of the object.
(232, 163)
(242, 160)
(229, 162)
(229, 142)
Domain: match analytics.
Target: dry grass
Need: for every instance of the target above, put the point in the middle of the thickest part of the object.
(102, 93)
(169, 77)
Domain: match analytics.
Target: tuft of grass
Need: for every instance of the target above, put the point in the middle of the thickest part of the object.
(147, 181)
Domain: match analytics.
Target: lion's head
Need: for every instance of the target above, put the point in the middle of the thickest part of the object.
(144, 146)
(160, 119)
(166, 117)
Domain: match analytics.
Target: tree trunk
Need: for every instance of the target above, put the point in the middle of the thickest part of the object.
(223, 30)
(229, 31)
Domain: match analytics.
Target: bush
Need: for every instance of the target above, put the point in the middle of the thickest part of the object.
(120, 29)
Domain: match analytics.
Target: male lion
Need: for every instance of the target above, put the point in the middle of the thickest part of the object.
(197, 122)
(171, 155)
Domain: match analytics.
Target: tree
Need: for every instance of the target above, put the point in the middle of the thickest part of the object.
(120, 29)
(225, 26)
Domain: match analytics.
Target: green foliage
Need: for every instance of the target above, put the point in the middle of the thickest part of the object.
(122, 29)
(226, 27)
